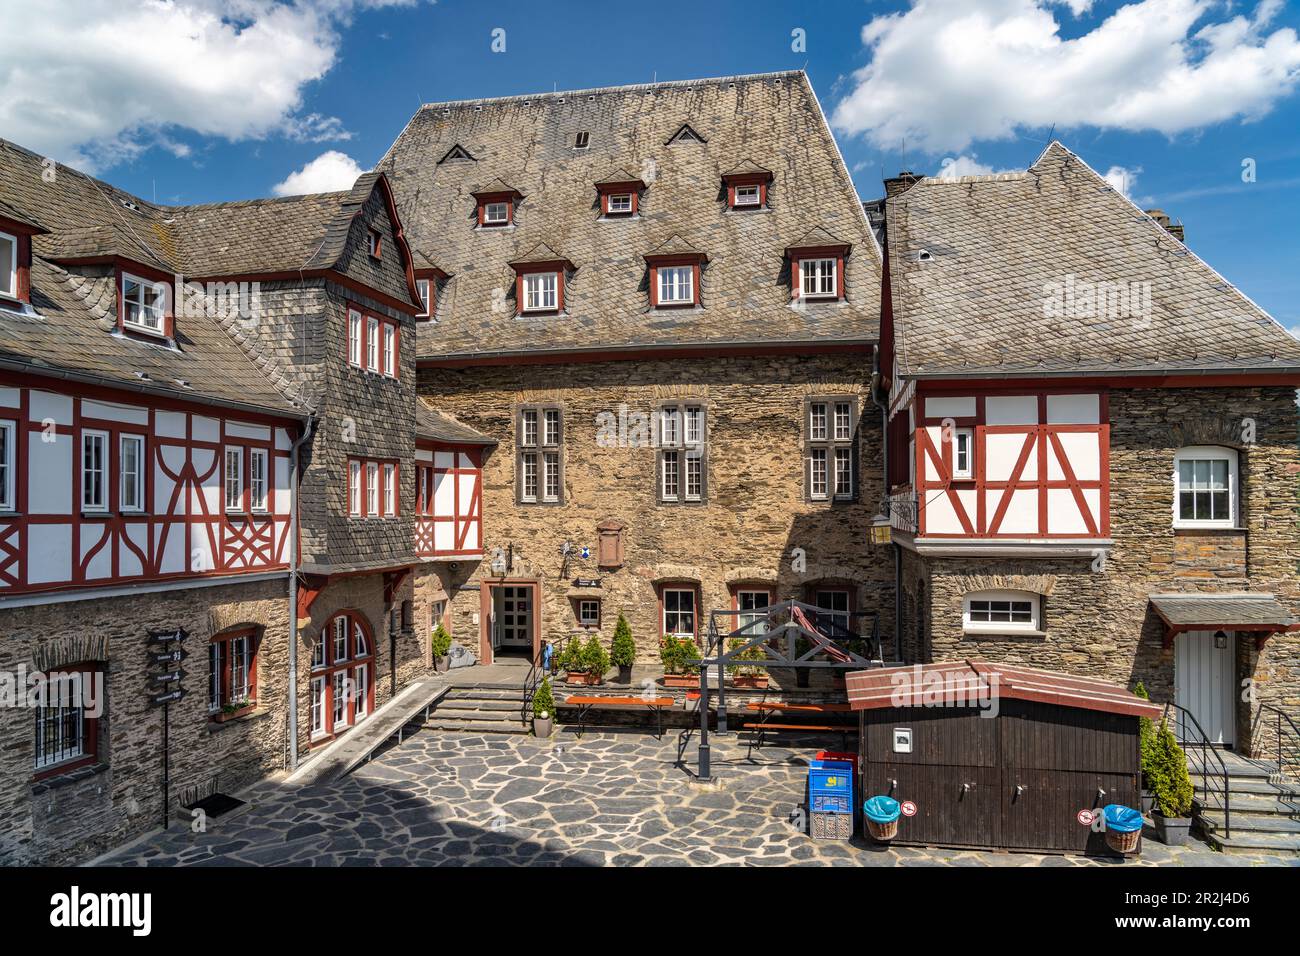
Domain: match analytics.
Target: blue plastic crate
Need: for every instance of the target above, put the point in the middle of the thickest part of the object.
(831, 778)
(830, 803)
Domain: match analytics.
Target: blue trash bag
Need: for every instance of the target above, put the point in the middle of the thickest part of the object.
(881, 809)
(1122, 819)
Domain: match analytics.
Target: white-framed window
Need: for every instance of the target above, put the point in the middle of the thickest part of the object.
(679, 611)
(582, 139)
(425, 288)
(551, 427)
(963, 453)
(830, 448)
(8, 265)
(372, 487)
(620, 203)
(540, 440)
(342, 688)
(390, 350)
(1205, 487)
(817, 474)
(317, 706)
(361, 646)
(341, 638)
(354, 337)
(540, 289)
(752, 605)
(551, 476)
(676, 285)
(360, 696)
(354, 488)
(8, 465)
(215, 671)
(1001, 612)
(390, 488)
(234, 479)
(143, 303)
(529, 490)
(496, 213)
(258, 466)
(836, 619)
(748, 195)
(589, 612)
(94, 471)
(670, 475)
(818, 279)
(375, 244)
(131, 472)
(681, 453)
(372, 343)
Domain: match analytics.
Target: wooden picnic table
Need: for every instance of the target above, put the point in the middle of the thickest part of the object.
(800, 708)
(584, 705)
(768, 708)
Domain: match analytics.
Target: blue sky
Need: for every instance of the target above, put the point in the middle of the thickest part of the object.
(1172, 96)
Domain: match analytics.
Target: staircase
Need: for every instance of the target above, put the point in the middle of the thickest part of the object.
(1263, 806)
(480, 709)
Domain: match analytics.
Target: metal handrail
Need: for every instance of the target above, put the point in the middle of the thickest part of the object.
(1207, 747)
(531, 683)
(1281, 716)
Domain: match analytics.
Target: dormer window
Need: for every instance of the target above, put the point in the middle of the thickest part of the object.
(746, 186)
(676, 285)
(497, 202)
(817, 267)
(620, 194)
(620, 204)
(675, 269)
(496, 213)
(8, 266)
(818, 279)
(425, 288)
(376, 244)
(748, 195)
(540, 291)
(143, 305)
(540, 279)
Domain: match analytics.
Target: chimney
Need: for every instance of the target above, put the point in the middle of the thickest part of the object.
(1162, 217)
(901, 183)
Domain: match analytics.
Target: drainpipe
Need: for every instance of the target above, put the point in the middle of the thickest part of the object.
(294, 559)
(883, 405)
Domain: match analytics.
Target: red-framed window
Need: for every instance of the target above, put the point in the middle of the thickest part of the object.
(427, 287)
(620, 200)
(67, 719)
(342, 675)
(675, 282)
(374, 244)
(496, 210)
(374, 488)
(15, 261)
(144, 303)
(374, 343)
(746, 193)
(680, 608)
(232, 669)
(817, 274)
(246, 486)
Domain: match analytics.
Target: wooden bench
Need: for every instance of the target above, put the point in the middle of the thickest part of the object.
(584, 705)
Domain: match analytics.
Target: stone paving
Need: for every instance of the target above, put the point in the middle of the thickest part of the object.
(609, 799)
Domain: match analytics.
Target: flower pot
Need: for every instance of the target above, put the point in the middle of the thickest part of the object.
(583, 678)
(625, 673)
(681, 680)
(442, 664)
(750, 680)
(542, 726)
(1148, 802)
(221, 716)
(1171, 831)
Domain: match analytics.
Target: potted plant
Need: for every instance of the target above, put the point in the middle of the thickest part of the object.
(747, 675)
(1172, 787)
(623, 650)
(595, 661)
(571, 662)
(543, 709)
(1146, 746)
(680, 658)
(441, 642)
(233, 710)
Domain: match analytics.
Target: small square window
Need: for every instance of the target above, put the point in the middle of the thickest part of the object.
(620, 204)
(748, 196)
(540, 292)
(676, 285)
(818, 278)
(589, 612)
(582, 140)
(496, 213)
(143, 304)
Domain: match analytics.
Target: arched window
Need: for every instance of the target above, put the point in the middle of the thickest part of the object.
(342, 675)
(1001, 612)
(1205, 487)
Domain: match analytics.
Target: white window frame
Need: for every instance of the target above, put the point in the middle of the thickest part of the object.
(259, 497)
(540, 295)
(390, 489)
(236, 454)
(1207, 453)
(10, 288)
(425, 289)
(136, 482)
(355, 337)
(583, 618)
(620, 204)
(390, 350)
(100, 506)
(375, 243)
(318, 706)
(160, 307)
(491, 220)
(816, 271)
(963, 445)
(687, 287)
(354, 488)
(740, 203)
(372, 488)
(746, 616)
(978, 625)
(372, 343)
(360, 692)
(694, 612)
(8, 466)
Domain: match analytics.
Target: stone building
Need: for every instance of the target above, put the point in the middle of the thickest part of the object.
(661, 302)
(176, 381)
(1092, 444)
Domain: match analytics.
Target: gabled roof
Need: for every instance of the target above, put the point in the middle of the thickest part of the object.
(747, 168)
(540, 253)
(497, 187)
(773, 120)
(818, 238)
(674, 245)
(620, 177)
(1015, 264)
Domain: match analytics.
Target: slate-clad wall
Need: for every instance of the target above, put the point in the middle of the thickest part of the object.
(755, 513)
(1100, 622)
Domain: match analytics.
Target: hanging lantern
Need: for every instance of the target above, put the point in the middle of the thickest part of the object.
(880, 530)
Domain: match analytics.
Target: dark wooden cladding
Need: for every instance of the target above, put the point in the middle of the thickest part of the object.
(1016, 780)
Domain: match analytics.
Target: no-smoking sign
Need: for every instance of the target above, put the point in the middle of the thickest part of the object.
(908, 808)
(1085, 817)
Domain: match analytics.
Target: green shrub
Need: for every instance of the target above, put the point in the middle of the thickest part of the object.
(1167, 775)
(1146, 729)
(623, 650)
(679, 655)
(543, 699)
(441, 642)
(570, 658)
(754, 653)
(594, 659)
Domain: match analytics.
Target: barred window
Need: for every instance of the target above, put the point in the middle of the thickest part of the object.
(65, 733)
(682, 454)
(830, 442)
(539, 463)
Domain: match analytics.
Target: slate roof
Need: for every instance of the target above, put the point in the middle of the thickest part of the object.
(442, 427)
(86, 218)
(769, 120)
(1190, 611)
(1002, 246)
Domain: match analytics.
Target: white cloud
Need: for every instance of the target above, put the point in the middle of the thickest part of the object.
(954, 167)
(1122, 179)
(95, 82)
(329, 172)
(949, 72)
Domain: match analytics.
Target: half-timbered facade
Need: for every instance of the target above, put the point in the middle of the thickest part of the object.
(1092, 443)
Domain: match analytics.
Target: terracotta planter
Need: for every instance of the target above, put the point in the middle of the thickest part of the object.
(758, 681)
(584, 679)
(681, 680)
(220, 717)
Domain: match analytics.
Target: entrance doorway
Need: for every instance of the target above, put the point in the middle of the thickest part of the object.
(1205, 669)
(510, 628)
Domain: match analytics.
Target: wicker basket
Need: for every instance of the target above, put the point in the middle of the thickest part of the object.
(884, 832)
(831, 826)
(1123, 842)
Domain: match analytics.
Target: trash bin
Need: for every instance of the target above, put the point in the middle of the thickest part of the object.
(1123, 827)
(830, 799)
(881, 814)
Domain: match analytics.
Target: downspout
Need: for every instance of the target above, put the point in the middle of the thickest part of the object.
(294, 560)
(883, 405)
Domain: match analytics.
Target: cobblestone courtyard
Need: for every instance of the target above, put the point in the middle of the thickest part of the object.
(442, 799)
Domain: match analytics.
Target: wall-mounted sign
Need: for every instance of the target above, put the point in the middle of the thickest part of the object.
(586, 582)
(585, 552)
(902, 740)
(908, 808)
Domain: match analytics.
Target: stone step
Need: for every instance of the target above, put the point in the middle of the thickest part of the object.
(478, 726)
(1250, 785)
(483, 703)
(1252, 803)
(445, 712)
(1244, 841)
(1236, 766)
(1213, 820)
(491, 693)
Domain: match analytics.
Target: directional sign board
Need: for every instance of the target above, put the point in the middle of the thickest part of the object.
(170, 677)
(168, 657)
(168, 639)
(586, 582)
(168, 697)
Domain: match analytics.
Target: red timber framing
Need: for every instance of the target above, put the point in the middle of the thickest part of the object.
(978, 506)
(50, 542)
(448, 500)
(22, 233)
